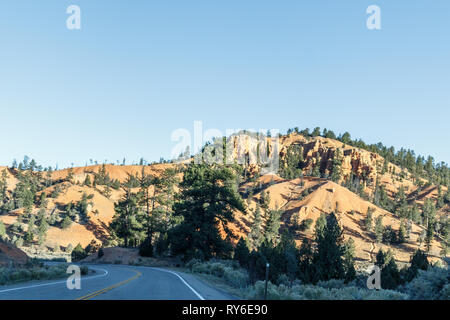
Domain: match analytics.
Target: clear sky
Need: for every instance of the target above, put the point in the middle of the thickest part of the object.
(138, 70)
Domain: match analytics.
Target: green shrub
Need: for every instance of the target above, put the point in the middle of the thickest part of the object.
(32, 272)
(78, 253)
(429, 285)
(305, 224)
(310, 292)
(332, 284)
(191, 263)
(237, 278)
(84, 270)
(227, 270)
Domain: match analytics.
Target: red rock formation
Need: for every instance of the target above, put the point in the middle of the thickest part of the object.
(11, 255)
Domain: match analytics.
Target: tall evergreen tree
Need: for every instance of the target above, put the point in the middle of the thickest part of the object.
(379, 228)
(349, 260)
(306, 269)
(242, 253)
(272, 226)
(256, 235)
(390, 275)
(2, 230)
(328, 259)
(368, 220)
(320, 225)
(128, 220)
(206, 202)
(336, 166)
(287, 256)
(316, 166)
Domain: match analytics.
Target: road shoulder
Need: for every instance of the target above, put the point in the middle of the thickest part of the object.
(210, 287)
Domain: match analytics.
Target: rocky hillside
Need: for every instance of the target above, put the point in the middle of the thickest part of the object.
(316, 175)
(302, 201)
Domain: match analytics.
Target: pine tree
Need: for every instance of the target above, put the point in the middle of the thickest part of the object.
(43, 225)
(206, 202)
(306, 269)
(78, 253)
(2, 230)
(336, 166)
(43, 201)
(316, 132)
(368, 220)
(66, 223)
(390, 275)
(29, 237)
(429, 235)
(264, 200)
(316, 166)
(256, 235)
(421, 238)
(349, 260)
(3, 187)
(401, 203)
(328, 260)
(272, 226)
(385, 166)
(128, 220)
(87, 181)
(418, 262)
(379, 228)
(242, 253)
(320, 225)
(287, 256)
(401, 238)
(428, 212)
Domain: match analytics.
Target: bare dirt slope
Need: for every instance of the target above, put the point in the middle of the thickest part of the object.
(327, 197)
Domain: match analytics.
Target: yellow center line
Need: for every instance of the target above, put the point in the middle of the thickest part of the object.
(104, 290)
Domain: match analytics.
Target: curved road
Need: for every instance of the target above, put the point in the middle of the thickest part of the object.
(117, 282)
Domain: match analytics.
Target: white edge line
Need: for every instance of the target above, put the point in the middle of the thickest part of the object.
(184, 281)
(58, 282)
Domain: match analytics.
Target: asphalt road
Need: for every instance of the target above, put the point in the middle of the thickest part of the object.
(117, 282)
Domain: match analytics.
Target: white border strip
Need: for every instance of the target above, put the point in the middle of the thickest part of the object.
(187, 284)
(58, 282)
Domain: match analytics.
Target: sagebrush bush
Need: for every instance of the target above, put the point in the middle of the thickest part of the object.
(236, 278)
(431, 284)
(191, 263)
(332, 284)
(225, 269)
(36, 272)
(310, 292)
(283, 279)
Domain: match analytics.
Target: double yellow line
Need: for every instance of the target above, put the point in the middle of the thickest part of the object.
(96, 293)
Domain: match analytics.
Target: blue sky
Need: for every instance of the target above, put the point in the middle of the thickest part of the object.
(138, 70)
